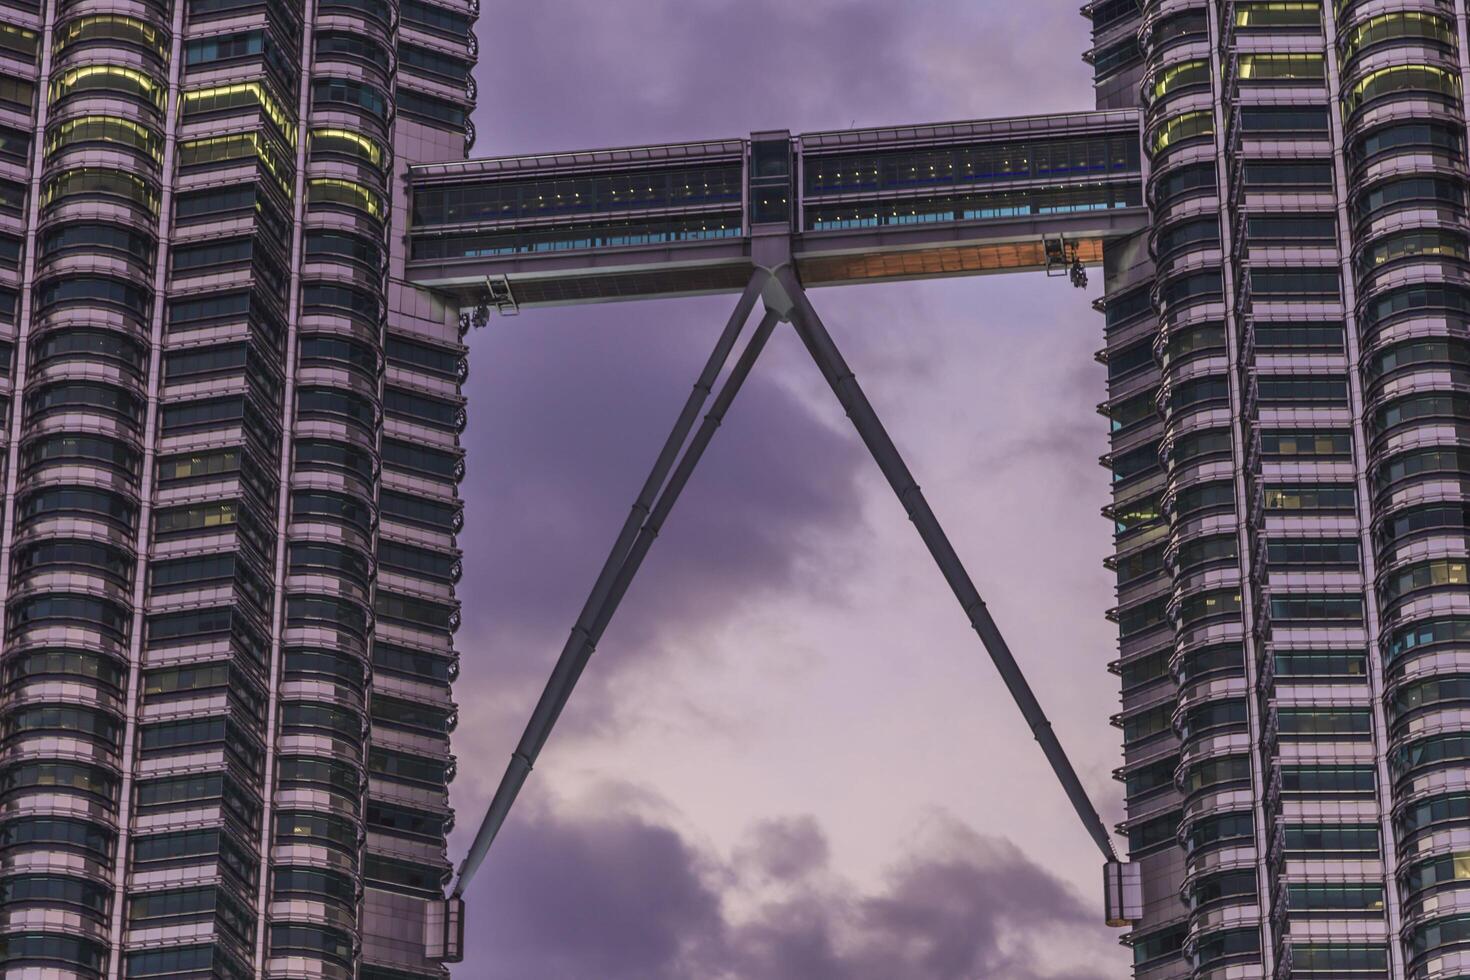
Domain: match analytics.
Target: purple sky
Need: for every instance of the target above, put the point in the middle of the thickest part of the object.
(790, 758)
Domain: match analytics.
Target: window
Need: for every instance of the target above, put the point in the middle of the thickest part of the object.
(1323, 723)
(1313, 284)
(78, 448)
(1394, 136)
(439, 63)
(336, 402)
(1316, 608)
(1276, 119)
(1217, 772)
(1320, 443)
(416, 612)
(421, 510)
(1197, 391)
(1279, 389)
(418, 664)
(1418, 243)
(1142, 617)
(1407, 299)
(1408, 190)
(330, 298)
(1314, 897)
(311, 610)
(93, 291)
(1386, 82)
(243, 95)
(99, 182)
(315, 453)
(1202, 550)
(85, 954)
(1312, 551)
(1292, 228)
(444, 465)
(1205, 496)
(341, 142)
(1219, 887)
(359, 46)
(1178, 76)
(1184, 289)
(321, 828)
(223, 47)
(1298, 781)
(1430, 574)
(110, 29)
(337, 507)
(409, 768)
(108, 80)
(418, 561)
(334, 347)
(435, 412)
(82, 502)
(450, 22)
(65, 833)
(342, 245)
(1216, 714)
(1222, 827)
(1181, 128)
(1267, 14)
(1292, 67)
(96, 236)
(1325, 961)
(1154, 776)
(107, 131)
(1331, 840)
(351, 92)
(1147, 724)
(1296, 173)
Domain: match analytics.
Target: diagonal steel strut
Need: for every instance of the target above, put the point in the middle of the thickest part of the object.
(870, 429)
(627, 554)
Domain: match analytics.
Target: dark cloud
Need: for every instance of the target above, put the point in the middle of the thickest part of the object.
(609, 892)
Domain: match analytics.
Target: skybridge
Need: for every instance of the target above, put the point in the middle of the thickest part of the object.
(860, 205)
(769, 217)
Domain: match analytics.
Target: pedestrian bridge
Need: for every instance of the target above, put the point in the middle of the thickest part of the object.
(858, 205)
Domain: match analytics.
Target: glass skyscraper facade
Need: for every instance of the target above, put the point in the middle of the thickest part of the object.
(230, 464)
(1288, 354)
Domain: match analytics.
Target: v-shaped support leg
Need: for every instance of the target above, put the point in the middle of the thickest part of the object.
(844, 384)
(659, 494)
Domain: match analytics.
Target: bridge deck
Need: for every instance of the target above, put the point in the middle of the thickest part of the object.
(860, 205)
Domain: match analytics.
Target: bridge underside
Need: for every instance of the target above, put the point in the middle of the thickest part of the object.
(855, 206)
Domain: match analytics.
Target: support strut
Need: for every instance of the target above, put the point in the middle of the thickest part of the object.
(670, 475)
(870, 429)
(632, 544)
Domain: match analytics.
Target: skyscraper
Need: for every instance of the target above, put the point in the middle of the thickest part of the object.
(230, 470)
(1287, 350)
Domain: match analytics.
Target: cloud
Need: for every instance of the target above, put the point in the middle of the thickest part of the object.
(580, 406)
(616, 892)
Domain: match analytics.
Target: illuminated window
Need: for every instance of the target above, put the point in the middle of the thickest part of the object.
(111, 130)
(1180, 128)
(1282, 67)
(1181, 75)
(1278, 14)
(21, 40)
(111, 28)
(99, 182)
(108, 79)
(239, 146)
(225, 98)
(347, 193)
(1410, 24)
(1400, 78)
(349, 144)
